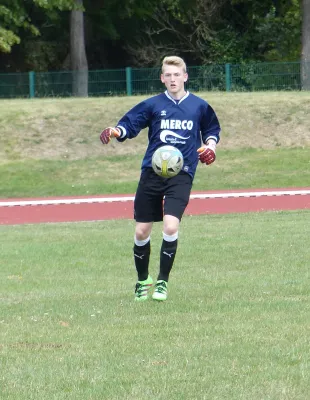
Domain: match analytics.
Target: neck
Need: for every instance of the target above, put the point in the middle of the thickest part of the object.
(177, 96)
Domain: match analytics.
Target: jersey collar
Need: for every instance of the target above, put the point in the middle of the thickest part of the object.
(183, 98)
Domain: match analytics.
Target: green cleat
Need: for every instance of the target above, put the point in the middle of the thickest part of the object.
(160, 292)
(142, 289)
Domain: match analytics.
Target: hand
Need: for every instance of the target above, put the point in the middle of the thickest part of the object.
(109, 133)
(206, 153)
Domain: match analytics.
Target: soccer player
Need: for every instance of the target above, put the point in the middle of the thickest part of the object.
(181, 119)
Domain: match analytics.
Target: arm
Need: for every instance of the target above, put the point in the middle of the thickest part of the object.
(210, 132)
(129, 125)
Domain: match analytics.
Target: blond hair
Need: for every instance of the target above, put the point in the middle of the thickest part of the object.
(174, 60)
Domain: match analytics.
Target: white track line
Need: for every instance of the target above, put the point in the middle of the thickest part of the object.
(131, 198)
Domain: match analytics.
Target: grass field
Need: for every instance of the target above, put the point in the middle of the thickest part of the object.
(235, 326)
(236, 323)
(51, 147)
(234, 169)
(68, 129)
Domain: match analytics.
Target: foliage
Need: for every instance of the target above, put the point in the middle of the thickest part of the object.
(7, 40)
(141, 32)
(204, 31)
(273, 28)
(14, 16)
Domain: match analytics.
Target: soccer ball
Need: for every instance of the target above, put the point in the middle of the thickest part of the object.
(167, 161)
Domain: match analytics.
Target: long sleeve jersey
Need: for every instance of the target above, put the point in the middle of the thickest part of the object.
(185, 124)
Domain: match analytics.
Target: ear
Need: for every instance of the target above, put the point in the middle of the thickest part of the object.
(185, 77)
(162, 78)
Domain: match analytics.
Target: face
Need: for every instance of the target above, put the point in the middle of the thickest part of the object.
(174, 79)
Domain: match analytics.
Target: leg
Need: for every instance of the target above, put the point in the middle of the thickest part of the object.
(167, 255)
(169, 246)
(176, 199)
(147, 209)
(142, 249)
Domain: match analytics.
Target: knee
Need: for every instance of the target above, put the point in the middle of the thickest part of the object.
(171, 226)
(170, 229)
(142, 231)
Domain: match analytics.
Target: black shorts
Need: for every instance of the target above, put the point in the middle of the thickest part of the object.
(157, 196)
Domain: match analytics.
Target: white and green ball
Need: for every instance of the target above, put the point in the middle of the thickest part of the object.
(167, 161)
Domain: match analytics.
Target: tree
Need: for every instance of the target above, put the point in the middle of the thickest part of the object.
(140, 32)
(208, 31)
(305, 55)
(14, 17)
(79, 65)
(180, 27)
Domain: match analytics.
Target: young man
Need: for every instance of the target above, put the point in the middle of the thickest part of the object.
(187, 122)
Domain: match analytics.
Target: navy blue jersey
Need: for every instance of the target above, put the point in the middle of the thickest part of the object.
(185, 124)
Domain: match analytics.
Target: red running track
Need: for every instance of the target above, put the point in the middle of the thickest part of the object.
(95, 208)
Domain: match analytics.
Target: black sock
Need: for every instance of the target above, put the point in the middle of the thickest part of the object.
(167, 254)
(142, 257)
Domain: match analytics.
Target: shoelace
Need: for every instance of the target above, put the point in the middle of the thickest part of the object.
(161, 287)
(140, 288)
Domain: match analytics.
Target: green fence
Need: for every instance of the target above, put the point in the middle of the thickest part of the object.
(134, 81)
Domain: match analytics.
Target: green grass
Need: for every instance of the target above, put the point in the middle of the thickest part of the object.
(234, 169)
(69, 128)
(51, 147)
(235, 326)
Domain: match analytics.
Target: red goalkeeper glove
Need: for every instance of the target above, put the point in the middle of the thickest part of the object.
(206, 153)
(108, 133)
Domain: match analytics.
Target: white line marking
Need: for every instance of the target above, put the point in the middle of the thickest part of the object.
(131, 198)
(65, 201)
(250, 194)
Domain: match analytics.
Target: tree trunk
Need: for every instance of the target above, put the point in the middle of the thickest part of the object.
(305, 55)
(79, 65)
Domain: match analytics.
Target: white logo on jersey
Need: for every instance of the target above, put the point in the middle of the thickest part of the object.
(167, 136)
(163, 113)
(176, 124)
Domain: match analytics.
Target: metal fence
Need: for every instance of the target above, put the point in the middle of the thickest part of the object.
(133, 81)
